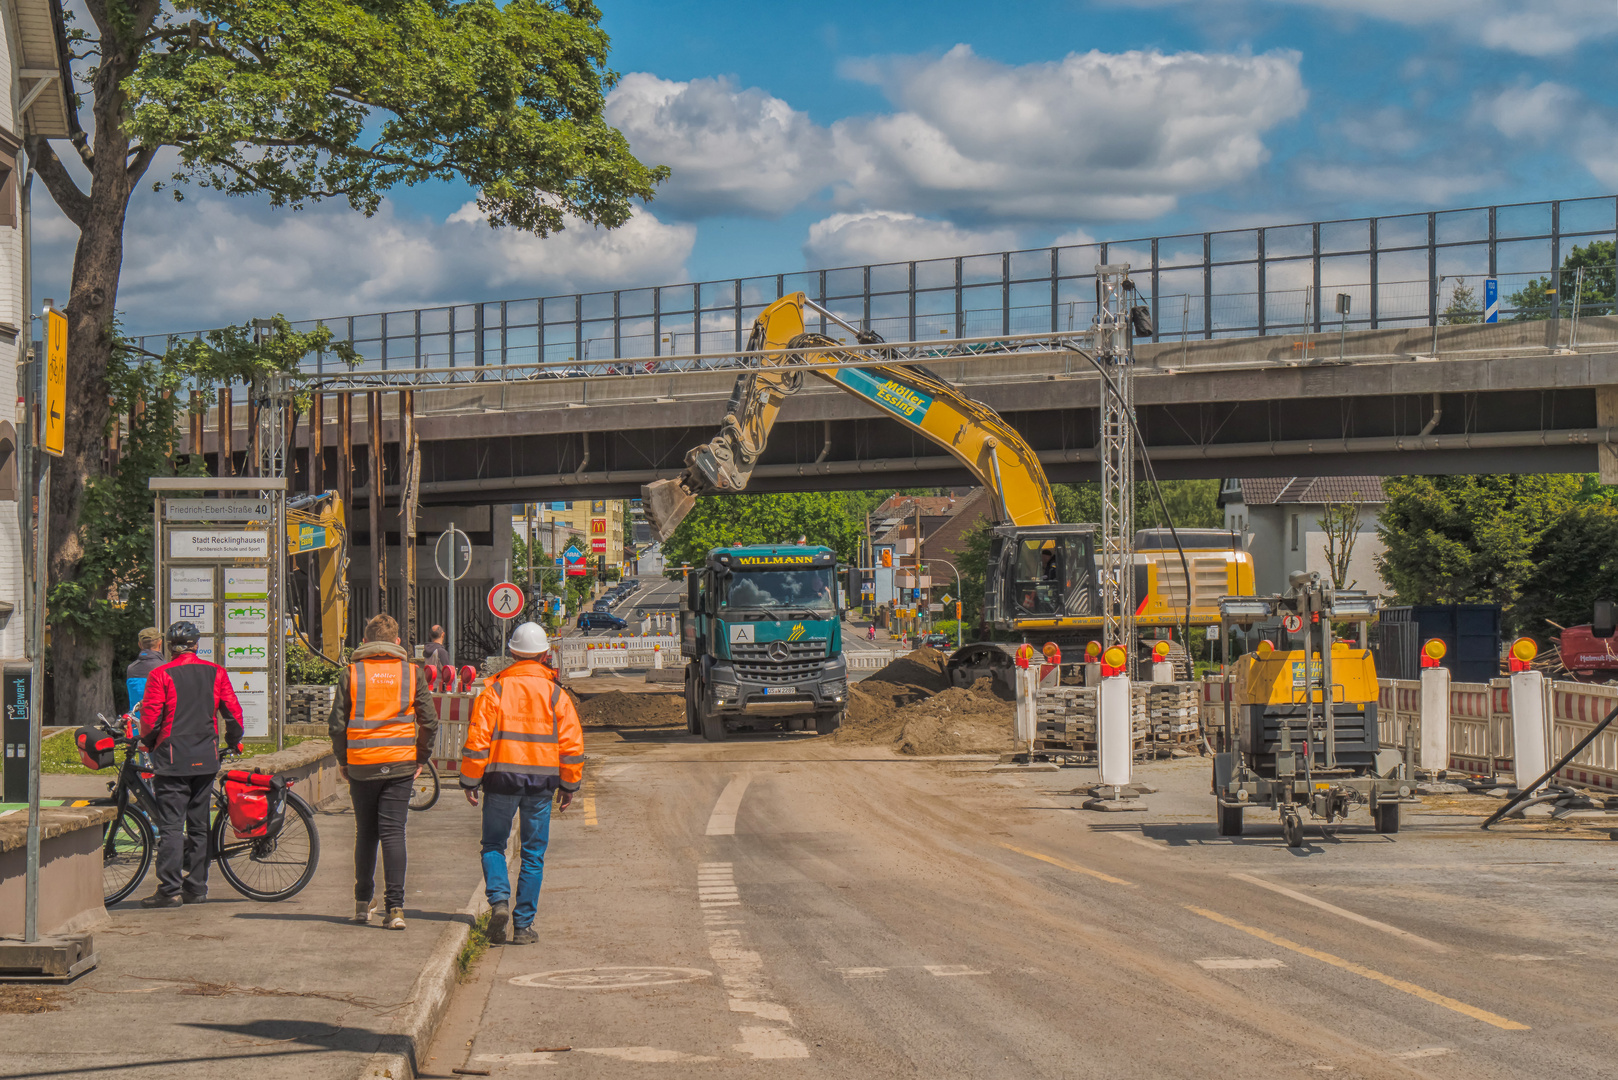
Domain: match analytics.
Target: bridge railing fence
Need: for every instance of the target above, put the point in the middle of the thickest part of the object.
(1401, 271)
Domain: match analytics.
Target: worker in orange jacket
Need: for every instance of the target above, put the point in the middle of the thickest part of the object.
(382, 726)
(523, 742)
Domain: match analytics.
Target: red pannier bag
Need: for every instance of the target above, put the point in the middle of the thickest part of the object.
(256, 803)
(96, 747)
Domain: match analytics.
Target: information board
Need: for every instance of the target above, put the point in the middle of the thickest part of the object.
(253, 692)
(219, 544)
(217, 510)
(191, 583)
(197, 612)
(246, 583)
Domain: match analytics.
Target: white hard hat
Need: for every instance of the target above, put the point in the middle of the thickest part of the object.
(529, 639)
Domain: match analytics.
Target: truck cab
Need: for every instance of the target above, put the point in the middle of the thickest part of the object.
(761, 632)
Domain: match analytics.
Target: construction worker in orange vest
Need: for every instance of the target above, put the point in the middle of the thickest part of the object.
(523, 742)
(382, 726)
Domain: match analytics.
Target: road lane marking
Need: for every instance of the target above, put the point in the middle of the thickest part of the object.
(1239, 963)
(651, 1055)
(1134, 838)
(587, 803)
(945, 971)
(722, 822)
(741, 968)
(863, 972)
(1364, 972)
(1429, 1052)
(1065, 865)
(1353, 916)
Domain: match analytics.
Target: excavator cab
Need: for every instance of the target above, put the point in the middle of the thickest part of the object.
(1042, 572)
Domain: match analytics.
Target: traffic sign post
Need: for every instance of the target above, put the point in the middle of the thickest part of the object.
(506, 601)
(452, 556)
(1491, 300)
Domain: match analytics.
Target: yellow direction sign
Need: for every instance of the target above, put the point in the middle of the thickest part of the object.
(55, 440)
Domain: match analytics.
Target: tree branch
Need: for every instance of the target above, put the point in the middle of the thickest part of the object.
(139, 159)
(74, 203)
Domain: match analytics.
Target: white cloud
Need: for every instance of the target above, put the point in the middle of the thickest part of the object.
(731, 151)
(877, 236)
(1529, 27)
(1095, 135)
(1394, 182)
(1551, 111)
(210, 261)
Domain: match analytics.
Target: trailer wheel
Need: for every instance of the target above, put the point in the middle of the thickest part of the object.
(1292, 829)
(1230, 819)
(1386, 817)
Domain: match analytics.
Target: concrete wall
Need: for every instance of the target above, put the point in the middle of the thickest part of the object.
(69, 870)
(1268, 532)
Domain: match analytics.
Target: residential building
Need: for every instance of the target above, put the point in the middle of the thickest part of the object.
(594, 527)
(1280, 520)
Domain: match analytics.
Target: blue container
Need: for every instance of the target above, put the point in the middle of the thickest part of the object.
(1470, 633)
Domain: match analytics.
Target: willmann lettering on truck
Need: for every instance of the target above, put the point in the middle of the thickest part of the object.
(775, 560)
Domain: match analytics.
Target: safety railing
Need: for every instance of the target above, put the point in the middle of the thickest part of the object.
(1424, 269)
(1576, 708)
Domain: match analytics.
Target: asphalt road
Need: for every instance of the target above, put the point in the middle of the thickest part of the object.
(782, 906)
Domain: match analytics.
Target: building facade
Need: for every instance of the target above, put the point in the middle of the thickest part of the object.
(1281, 522)
(595, 527)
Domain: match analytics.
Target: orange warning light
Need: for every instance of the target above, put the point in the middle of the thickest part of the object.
(1264, 650)
(1523, 651)
(1160, 651)
(1025, 655)
(1432, 652)
(1112, 661)
(1092, 650)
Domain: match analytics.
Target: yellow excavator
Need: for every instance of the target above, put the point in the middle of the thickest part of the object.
(1042, 578)
(317, 527)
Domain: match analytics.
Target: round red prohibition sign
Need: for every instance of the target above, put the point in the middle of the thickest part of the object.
(505, 600)
(1292, 623)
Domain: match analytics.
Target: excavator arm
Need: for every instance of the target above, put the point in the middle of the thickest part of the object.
(977, 436)
(317, 526)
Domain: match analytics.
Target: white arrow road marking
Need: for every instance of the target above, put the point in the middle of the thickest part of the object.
(722, 822)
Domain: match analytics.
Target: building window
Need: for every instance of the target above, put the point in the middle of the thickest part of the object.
(1294, 532)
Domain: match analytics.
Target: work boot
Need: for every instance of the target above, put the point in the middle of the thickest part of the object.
(499, 919)
(525, 935)
(161, 900)
(395, 920)
(362, 911)
(193, 898)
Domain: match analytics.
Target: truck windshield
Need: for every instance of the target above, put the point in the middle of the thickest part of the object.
(803, 590)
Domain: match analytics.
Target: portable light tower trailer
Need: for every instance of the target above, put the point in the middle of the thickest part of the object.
(1300, 722)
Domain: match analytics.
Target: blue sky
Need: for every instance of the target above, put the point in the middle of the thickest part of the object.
(847, 132)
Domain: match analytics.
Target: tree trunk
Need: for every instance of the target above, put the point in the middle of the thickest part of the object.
(81, 662)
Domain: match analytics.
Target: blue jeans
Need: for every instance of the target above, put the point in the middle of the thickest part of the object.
(535, 833)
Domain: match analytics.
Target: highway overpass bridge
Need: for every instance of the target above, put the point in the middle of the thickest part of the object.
(1507, 397)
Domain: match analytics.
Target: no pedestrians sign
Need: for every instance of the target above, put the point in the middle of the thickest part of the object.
(505, 600)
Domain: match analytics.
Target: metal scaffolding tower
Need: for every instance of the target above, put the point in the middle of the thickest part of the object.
(1115, 557)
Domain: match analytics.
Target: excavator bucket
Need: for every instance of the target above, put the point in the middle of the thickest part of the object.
(666, 504)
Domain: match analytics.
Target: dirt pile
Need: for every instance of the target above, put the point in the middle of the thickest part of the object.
(923, 667)
(910, 706)
(618, 709)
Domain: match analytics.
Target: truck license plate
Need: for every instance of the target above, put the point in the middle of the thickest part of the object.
(780, 690)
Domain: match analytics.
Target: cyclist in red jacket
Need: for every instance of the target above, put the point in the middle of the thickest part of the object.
(179, 726)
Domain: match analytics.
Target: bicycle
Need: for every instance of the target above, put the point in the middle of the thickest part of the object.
(425, 792)
(266, 868)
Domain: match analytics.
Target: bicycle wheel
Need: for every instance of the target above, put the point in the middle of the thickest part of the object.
(270, 868)
(126, 854)
(425, 792)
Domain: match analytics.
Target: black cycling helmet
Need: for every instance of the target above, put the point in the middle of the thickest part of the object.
(184, 635)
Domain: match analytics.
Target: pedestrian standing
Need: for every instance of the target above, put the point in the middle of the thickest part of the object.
(523, 742)
(179, 727)
(382, 726)
(435, 653)
(150, 659)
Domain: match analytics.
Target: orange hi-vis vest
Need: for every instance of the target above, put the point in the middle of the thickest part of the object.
(523, 723)
(382, 729)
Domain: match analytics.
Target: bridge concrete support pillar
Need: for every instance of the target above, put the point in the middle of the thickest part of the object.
(1606, 417)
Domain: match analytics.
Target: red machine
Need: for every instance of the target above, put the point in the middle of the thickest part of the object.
(1587, 657)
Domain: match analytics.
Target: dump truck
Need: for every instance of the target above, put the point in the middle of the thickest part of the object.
(761, 634)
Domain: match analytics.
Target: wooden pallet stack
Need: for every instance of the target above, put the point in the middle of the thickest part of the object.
(1173, 712)
(1065, 719)
(309, 704)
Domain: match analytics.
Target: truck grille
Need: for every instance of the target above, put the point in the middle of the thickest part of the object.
(803, 660)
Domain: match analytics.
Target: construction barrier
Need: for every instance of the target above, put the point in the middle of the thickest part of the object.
(1398, 715)
(1575, 709)
(454, 713)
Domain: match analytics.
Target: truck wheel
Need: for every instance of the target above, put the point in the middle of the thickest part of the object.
(825, 725)
(1292, 829)
(1230, 819)
(1386, 817)
(693, 724)
(713, 727)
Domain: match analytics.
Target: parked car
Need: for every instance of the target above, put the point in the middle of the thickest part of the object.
(940, 641)
(601, 620)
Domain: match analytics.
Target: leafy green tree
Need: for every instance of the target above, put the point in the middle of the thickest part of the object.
(1469, 539)
(1463, 305)
(728, 520)
(110, 598)
(1575, 564)
(1596, 294)
(303, 100)
(1193, 504)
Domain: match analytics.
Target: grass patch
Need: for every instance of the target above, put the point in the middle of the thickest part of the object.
(477, 943)
(60, 754)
